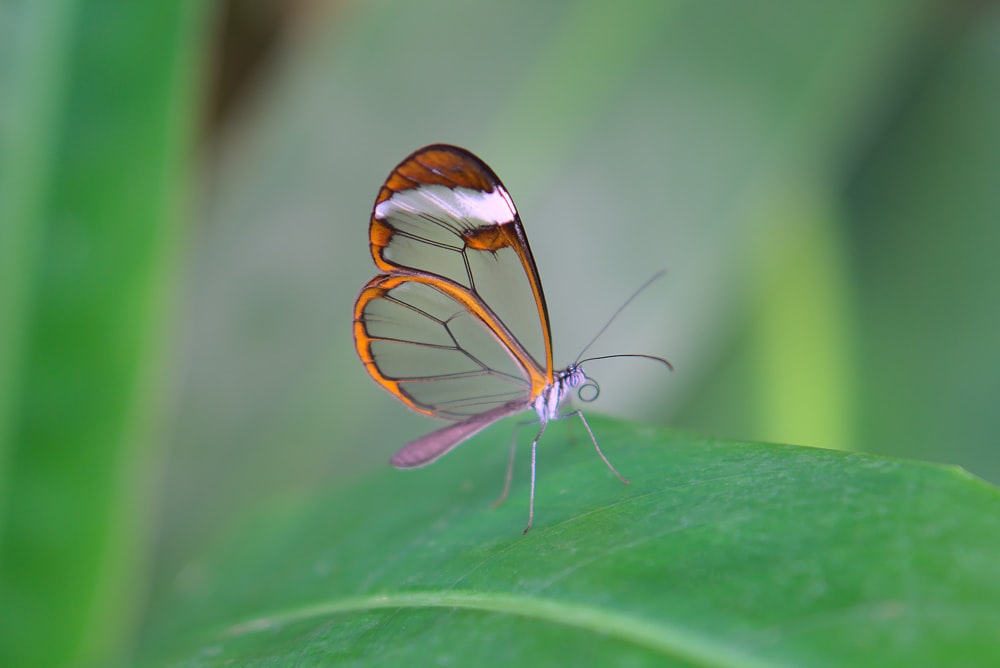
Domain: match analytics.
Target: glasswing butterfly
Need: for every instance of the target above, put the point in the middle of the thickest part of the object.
(456, 327)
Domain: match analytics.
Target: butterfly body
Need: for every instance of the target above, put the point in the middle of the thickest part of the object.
(546, 404)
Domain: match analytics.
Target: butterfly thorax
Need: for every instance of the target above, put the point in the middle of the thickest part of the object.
(546, 404)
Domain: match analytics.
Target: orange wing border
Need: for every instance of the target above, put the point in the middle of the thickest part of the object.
(378, 287)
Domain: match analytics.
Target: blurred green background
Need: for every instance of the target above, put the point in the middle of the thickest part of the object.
(184, 195)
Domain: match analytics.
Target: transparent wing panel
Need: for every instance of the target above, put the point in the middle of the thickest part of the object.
(427, 238)
(440, 358)
(502, 284)
(429, 229)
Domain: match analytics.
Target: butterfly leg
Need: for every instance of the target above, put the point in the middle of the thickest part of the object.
(510, 464)
(531, 500)
(579, 414)
(510, 470)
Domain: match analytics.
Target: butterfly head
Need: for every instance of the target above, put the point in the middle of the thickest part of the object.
(573, 377)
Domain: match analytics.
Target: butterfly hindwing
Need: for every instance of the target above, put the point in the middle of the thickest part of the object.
(433, 347)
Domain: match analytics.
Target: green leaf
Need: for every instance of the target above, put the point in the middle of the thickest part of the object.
(97, 124)
(718, 554)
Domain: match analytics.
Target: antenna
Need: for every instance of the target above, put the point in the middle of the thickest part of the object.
(648, 357)
(612, 319)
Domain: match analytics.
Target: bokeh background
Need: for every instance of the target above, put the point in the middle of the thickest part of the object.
(184, 196)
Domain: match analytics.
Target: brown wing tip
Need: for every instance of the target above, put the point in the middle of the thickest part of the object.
(439, 164)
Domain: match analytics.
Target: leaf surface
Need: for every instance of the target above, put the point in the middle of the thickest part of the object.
(718, 554)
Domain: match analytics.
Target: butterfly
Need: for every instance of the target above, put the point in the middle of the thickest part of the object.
(456, 325)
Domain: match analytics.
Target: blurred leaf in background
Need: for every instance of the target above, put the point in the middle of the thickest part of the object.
(98, 104)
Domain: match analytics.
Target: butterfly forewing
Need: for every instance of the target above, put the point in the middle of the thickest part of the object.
(444, 213)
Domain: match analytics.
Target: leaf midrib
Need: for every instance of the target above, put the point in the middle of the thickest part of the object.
(672, 641)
